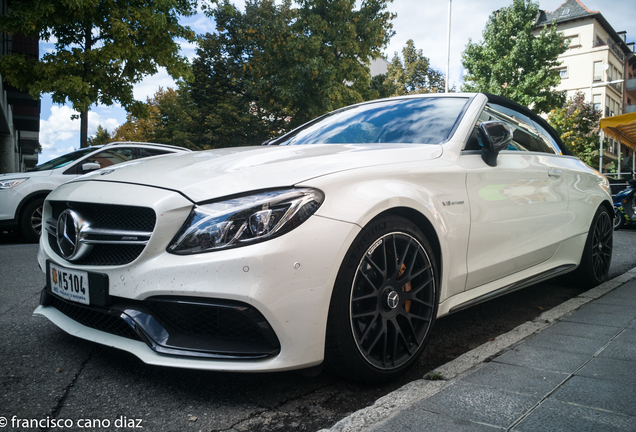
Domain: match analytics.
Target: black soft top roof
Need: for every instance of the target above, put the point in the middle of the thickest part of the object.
(500, 100)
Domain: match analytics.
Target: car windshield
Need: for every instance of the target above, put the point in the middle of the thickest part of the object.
(61, 161)
(405, 121)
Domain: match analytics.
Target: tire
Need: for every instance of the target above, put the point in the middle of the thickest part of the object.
(384, 302)
(597, 253)
(31, 220)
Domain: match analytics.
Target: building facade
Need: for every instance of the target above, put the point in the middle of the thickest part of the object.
(19, 112)
(597, 55)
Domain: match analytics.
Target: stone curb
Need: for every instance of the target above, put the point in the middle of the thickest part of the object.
(388, 406)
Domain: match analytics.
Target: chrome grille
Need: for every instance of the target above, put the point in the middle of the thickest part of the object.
(117, 235)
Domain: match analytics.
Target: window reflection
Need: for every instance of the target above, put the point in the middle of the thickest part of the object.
(405, 121)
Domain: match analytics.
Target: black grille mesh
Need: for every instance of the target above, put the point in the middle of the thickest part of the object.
(95, 319)
(108, 216)
(206, 320)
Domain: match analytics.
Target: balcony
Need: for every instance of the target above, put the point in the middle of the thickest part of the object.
(630, 109)
(615, 48)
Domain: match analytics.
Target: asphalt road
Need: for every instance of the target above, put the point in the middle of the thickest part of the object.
(49, 376)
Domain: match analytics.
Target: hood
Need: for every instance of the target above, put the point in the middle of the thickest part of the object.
(216, 173)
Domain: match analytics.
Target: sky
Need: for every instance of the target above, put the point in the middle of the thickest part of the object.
(424, 21)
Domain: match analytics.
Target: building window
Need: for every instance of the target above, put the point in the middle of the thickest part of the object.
(598, 71)
(596, 101)
(574, 41)
(565, 12)
(563, 73)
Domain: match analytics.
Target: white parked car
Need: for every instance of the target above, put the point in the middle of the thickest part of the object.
(22, 194)
(338, 243)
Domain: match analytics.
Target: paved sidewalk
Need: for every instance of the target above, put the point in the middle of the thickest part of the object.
(571, 369)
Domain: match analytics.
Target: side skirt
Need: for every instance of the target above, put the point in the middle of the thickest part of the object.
(549, 274)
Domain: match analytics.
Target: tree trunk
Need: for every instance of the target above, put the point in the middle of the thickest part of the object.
(84, 129)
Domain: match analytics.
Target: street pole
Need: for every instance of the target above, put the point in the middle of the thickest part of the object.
(448, 45)
(600, 161)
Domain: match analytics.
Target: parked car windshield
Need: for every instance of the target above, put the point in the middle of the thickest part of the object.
(405, 121)
(61, 161)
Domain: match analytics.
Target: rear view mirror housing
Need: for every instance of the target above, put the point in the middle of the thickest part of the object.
(497, 135)
(90, 166)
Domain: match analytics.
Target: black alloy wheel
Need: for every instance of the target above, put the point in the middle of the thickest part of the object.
(597, 252)
(384, 303)
(392, 300)
(31, 220)
(602, 242)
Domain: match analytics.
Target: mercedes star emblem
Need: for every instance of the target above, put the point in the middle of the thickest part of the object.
(70, 231)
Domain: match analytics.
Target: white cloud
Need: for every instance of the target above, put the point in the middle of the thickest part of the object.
(149, 85)
(189, 49)
(58, 127)
(94, 120)
(61, 128)
(202, 24)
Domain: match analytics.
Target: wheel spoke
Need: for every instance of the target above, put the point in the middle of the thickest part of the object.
(364, 275)
(405, 344)
(417, 300)
(403, 255)
(376, 340)
(369, 327)
(365, 297)
(358, 316)
(411, 329)
(394, 348)
(422, 285)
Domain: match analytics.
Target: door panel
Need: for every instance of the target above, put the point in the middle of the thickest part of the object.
(518, 212)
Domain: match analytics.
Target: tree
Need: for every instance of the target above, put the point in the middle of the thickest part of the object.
(102, 48)
(415, 76)
(577, 123)
(275, 66)
(514, 63)
(101, 137)
(223, 92)
(167, 120)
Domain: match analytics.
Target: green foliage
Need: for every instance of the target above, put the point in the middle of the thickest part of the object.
(379, 86)
(435, 376)
(276, 66)
(512, 62)
(225, 96)
(101, 137)
(415, 76)
(577, 124)
(169, 114)
(266, 70)
(102, 48)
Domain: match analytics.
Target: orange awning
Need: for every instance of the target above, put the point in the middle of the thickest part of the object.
(622, 127)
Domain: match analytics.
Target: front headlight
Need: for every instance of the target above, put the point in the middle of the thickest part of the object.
(8, 184)
(244, 220)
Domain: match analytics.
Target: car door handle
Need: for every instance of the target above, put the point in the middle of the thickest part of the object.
(555, 173)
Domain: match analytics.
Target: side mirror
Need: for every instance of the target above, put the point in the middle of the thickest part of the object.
(497, 137)
(90, 166)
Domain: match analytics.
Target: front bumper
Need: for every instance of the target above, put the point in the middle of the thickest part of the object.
(287, 280)
(176, 326)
